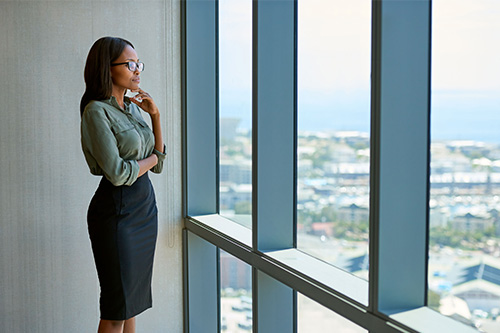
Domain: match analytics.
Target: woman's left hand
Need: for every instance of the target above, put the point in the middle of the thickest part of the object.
(145, 102)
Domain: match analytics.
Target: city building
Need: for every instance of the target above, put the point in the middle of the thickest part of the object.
(353, 213)
(471, 223)
(234, 274)
(479, 286)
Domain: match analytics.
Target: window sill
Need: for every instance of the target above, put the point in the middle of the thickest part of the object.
(328, 276)
(222, 226)
(322, 282)
(424, 319)
(301, 264)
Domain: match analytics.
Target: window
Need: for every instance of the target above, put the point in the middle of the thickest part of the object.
(313, 317)
(394, 297)
(235, 110)
(464, 252)
(334, 58)
(235, 294)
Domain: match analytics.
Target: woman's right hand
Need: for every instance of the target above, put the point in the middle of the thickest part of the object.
(146, 164)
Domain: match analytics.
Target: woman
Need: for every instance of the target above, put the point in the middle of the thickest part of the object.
(119, 146)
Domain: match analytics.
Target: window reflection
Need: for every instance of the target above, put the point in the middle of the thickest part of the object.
(334, 55)
(464, 242)
(313, 317)
(235, 294)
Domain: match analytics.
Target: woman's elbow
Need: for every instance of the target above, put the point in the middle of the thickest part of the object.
(126, 175)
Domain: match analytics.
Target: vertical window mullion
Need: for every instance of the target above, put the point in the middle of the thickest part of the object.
(273, 145)
(400, 155)
(200, 103)
(273, 311)
(201, 107)
(274, 124)
(202, 280)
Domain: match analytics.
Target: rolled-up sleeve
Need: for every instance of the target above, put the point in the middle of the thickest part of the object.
(101, 150)
(161, 157)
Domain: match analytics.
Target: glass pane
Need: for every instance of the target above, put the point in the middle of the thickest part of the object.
(314, 317)
(334, 50)
(235, 110)
(464, 243)
(235, 294)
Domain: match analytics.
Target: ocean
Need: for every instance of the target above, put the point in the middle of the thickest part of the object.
(455, 115)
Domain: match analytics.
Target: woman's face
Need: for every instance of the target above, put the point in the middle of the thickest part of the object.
(121, 76)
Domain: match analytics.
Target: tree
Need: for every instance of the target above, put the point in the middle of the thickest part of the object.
(243, 207)
(433, 300)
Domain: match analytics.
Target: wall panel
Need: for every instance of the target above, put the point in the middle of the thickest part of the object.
(48, 281)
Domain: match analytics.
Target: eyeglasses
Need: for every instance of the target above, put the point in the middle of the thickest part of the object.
(132, 65)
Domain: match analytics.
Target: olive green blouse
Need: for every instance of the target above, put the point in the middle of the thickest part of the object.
(113, 140)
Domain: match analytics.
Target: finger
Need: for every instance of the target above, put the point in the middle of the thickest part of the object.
(142, 98)
(142, 93)
(139, 90)
(136, 102)
(136, 97)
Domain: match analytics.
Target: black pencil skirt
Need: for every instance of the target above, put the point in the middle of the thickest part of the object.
(123, 226)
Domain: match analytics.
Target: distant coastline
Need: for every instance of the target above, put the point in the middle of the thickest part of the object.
(454, 115)
(483, 126)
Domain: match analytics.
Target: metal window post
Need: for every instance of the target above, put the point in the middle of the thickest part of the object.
(274, 149)
(400, 155)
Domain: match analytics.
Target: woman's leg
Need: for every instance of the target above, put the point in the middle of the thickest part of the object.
(110, 326)
(129, 326)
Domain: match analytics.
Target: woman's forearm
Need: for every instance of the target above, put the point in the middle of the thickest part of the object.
(147, 163)
(155, 121)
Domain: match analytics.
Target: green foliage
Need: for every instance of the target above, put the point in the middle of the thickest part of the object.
(360, 145)
(243, 207)
(319, 157)
(490, 232)
(233, 148)
(433, 300)
(354, 231)
(473, 154)
(445, 237)
(466, 240)
(347, 230)
(328, 213)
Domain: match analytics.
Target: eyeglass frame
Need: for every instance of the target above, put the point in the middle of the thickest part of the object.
(137, 64)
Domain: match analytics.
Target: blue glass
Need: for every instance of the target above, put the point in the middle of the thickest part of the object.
(334, 58)
(464, 240)
(235, 110)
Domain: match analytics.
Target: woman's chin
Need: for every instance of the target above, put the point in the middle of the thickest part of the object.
(135, 85)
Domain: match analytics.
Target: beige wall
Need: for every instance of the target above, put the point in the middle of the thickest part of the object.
(48, 282)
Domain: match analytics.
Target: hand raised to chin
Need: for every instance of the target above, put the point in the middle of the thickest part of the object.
(145, 102)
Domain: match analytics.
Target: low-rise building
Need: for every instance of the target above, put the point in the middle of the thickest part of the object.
(471, 223)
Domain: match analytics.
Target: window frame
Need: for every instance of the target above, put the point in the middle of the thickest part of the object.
(397, 287)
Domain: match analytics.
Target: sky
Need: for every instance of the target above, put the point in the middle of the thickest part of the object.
(334, 66)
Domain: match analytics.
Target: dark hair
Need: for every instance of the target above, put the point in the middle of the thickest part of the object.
(98, 83)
